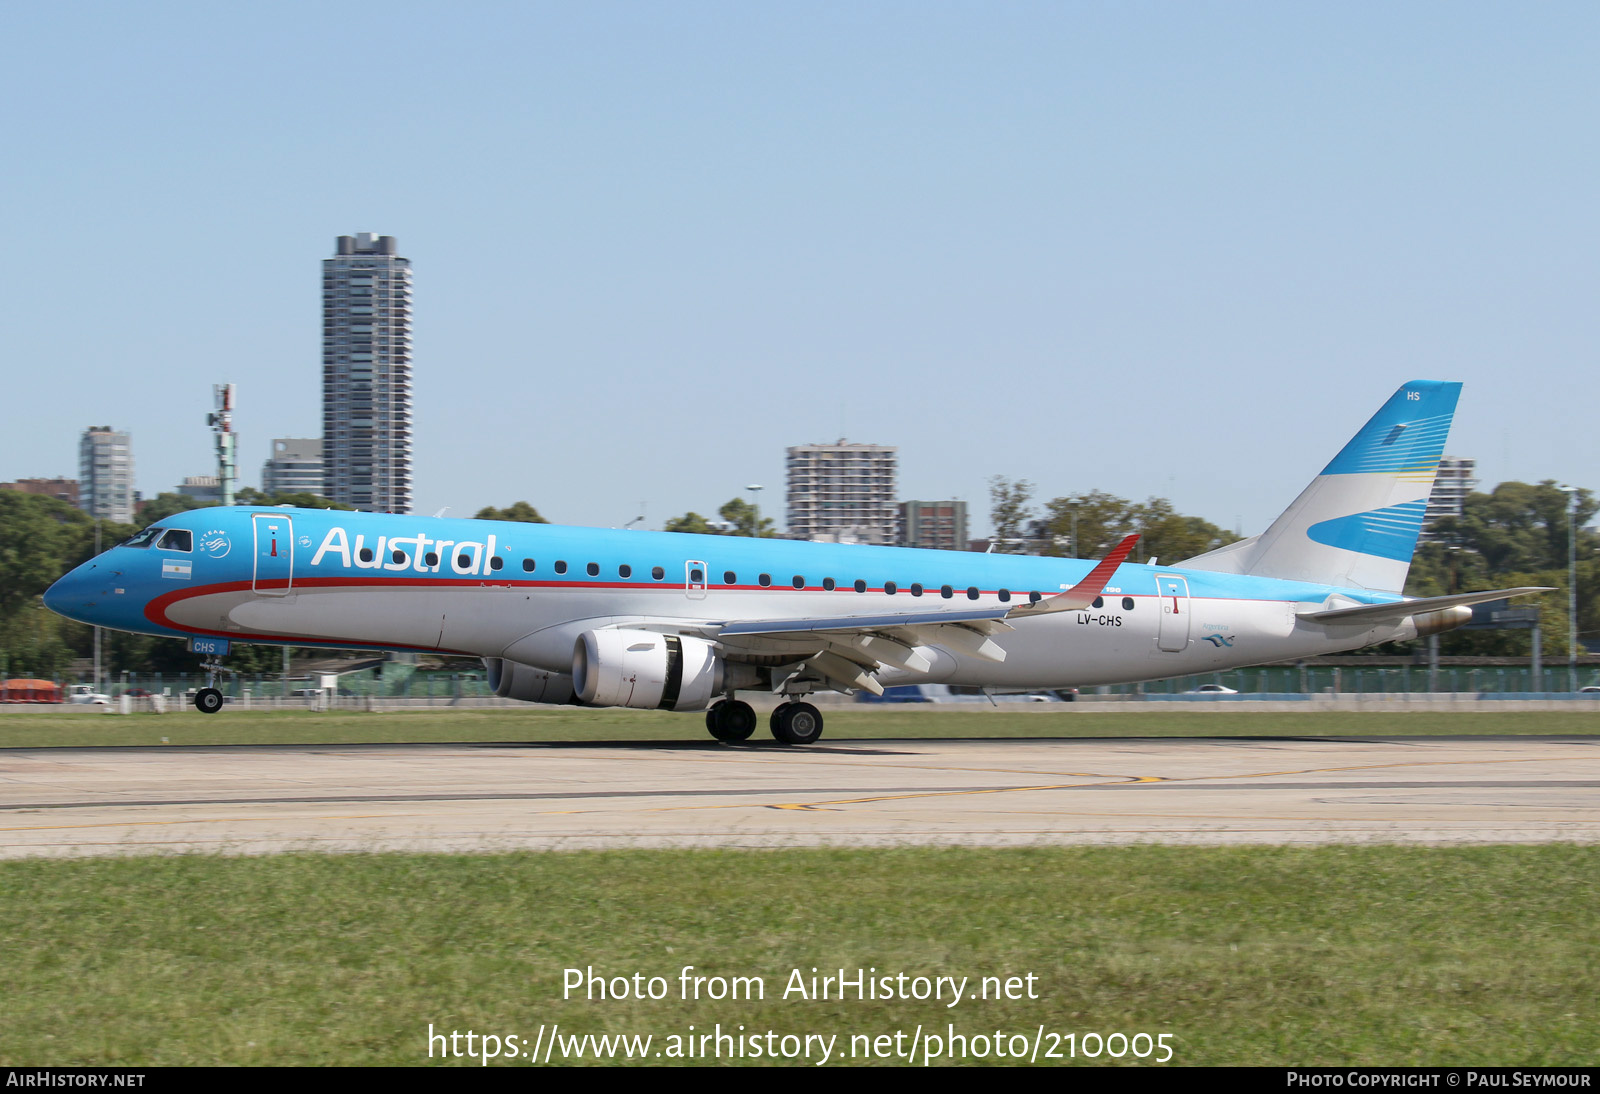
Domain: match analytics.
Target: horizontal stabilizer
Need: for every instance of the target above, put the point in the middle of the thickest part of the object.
(1369, 614)
(1082, 594)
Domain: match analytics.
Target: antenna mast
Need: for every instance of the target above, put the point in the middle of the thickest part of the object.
(221, 423)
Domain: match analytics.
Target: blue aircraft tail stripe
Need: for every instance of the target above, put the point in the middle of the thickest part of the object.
(1387, 533)
(1393, 448)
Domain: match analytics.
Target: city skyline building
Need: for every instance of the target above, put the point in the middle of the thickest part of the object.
(843, 493)
(105, 474)
(295, 467)
(366, 374)
(937, 525)
(61, 489)
(1451, 485)
(202, 489)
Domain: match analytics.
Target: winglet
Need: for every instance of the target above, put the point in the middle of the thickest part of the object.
(1083, 593)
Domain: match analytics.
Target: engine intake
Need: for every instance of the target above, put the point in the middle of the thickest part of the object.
(513, 680)
(620, 668)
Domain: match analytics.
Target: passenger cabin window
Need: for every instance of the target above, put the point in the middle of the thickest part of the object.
(463, 561)
(972, 593)
(696, 576)
(828, 583)
(860, 586)
(890, 587)
(765, 580)
(365, 554)
(730, 578)
(594, 569)
(496, 562)
(657, 572)
(144, 538)
(527, 564)
(799, 582)
(561, 566)
(398, 556)
(432, 558)
(624, 570)
(1033, 598)
(946, 591)
(1005, 595)
(1099, 602)
(1127, 603)
(176, 539)
(916, 590)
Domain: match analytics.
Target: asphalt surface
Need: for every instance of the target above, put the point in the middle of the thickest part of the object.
(451, 797)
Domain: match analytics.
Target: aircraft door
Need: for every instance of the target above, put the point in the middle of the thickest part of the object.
(1173, 594)
(274, 542)
(694, 580)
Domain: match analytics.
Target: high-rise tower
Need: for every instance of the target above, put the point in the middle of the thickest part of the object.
(842, 492)
(105, 474)
(366, 374)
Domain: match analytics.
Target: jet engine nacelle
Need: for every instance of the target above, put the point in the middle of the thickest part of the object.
(512, 680)
(1445, 619)
(620, 668)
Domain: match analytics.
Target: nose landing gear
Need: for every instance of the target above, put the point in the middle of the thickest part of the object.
(208, 700)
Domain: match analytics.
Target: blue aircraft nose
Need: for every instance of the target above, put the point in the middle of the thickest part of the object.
(75, 594)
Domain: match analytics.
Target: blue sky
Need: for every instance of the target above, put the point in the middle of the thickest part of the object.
(1180, 250)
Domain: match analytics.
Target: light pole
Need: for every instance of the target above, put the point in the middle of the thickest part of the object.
(1572, 587)
(755, 489)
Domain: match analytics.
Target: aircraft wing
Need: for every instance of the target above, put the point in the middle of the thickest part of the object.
(1370, 614)
(845, 651)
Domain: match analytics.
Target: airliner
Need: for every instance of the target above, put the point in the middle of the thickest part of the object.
(612, 617)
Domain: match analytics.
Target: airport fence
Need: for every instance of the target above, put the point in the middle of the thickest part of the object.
(1276, 682)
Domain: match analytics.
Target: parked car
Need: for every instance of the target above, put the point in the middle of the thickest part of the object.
(1211, 689)
(1591, 688)
(1059, 695)
(85, 693)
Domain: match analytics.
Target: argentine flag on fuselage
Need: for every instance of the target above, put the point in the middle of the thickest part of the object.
(1357, 524)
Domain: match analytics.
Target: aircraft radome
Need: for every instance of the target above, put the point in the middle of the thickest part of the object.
(608, 617)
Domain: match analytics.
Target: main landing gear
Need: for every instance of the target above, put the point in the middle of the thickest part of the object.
(731, 720)
(797, 723)
(792, 723)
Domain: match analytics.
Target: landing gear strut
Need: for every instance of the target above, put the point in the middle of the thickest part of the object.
(731, 720)
(208, 700)
(797, 723)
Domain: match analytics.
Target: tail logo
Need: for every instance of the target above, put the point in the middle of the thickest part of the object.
(1388, 533)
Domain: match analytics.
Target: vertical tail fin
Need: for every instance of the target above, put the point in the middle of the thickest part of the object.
(1357, 523)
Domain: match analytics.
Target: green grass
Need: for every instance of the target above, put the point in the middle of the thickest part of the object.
(1327, 956)
(35, 729)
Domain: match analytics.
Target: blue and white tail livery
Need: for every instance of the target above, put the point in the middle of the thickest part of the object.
(1357, 524)
(608, 617)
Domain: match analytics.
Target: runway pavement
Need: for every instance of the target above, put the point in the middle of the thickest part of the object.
(451, 797)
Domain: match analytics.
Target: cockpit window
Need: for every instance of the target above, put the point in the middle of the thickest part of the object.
(176, 539)
(144, 538)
